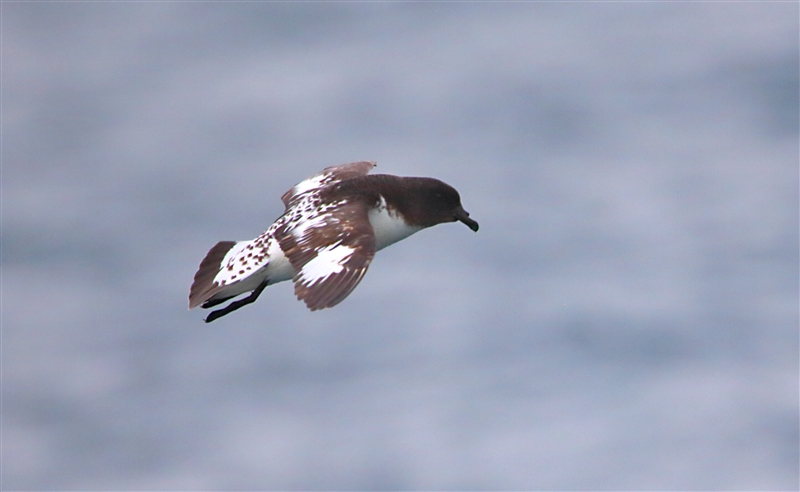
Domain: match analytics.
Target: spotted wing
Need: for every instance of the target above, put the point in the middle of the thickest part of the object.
(326, 177)
(330, 253)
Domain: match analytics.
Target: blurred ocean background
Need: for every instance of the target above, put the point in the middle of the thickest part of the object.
(626, 318)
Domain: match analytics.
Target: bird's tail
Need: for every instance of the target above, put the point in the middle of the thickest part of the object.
(204, 287)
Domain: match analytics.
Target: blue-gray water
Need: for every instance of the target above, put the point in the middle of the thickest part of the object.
(626, 317)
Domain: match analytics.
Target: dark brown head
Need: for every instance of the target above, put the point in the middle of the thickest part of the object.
(428, 201)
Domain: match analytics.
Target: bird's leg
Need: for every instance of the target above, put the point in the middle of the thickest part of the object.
(215, 302)
(237, 304)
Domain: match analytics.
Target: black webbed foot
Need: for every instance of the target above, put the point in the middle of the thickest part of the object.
(236, 304)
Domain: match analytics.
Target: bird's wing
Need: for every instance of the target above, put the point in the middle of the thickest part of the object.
(330, 252)
(324, 178)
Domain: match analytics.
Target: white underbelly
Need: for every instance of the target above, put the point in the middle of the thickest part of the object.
(279, 268)
(389, 227)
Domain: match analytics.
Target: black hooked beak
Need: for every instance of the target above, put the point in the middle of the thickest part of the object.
(463, 216)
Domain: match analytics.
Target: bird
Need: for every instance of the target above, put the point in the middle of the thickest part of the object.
(333, 224)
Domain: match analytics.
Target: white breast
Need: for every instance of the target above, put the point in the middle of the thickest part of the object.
(279, 268)
(388, 226)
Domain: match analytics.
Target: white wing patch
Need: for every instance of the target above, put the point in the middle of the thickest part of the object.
(326, 177)
(328, 261)
(313, 183)
(310, 218)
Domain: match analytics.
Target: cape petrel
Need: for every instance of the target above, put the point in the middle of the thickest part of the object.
(333, 224)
